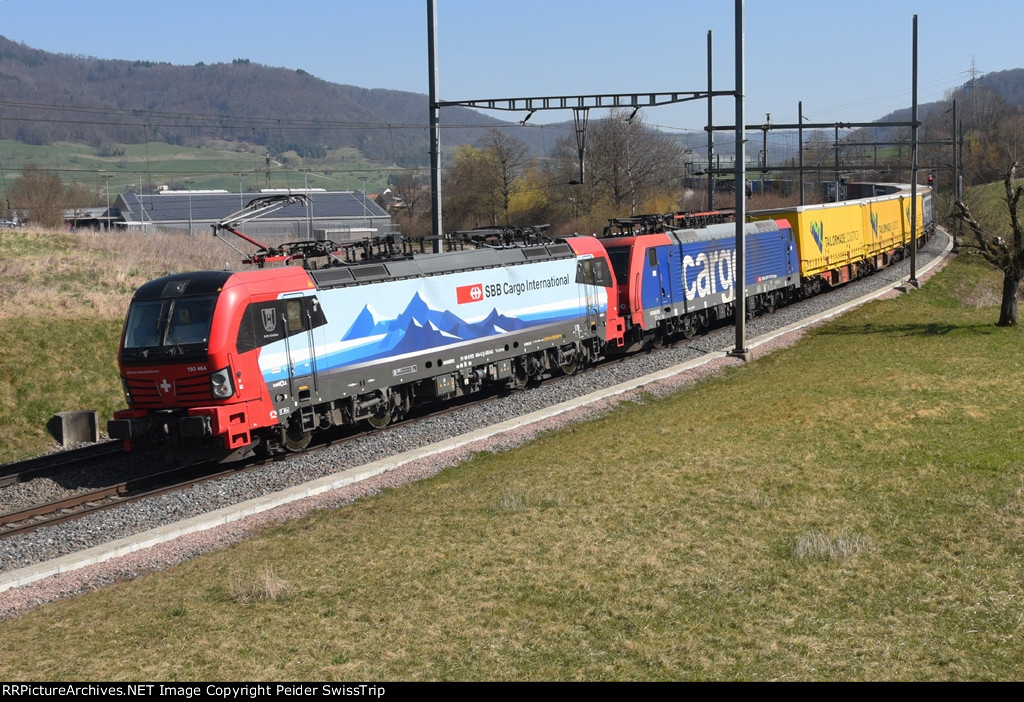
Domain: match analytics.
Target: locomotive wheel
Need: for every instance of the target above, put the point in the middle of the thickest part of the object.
(689, 329)
(295, 439)
(769, 303)
(379, 420)
(570, 367)
(520, 378)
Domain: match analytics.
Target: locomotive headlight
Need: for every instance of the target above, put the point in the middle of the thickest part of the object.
(220, 383)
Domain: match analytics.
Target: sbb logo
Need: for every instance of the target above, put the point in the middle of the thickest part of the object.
(469, 293)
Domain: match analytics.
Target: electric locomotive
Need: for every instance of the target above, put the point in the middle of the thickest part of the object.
(231, 362)
(673, 280)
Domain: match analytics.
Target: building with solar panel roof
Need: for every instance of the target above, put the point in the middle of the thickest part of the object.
(343, 215)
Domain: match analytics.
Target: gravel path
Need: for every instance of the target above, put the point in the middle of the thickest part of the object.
(48, 543)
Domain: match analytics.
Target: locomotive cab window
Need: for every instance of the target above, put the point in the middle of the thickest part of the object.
(192, 320)
(171, 323)
(594, 271)
(293, 313)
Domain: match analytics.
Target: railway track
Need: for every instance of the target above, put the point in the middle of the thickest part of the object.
(77, 506)
(62, 461)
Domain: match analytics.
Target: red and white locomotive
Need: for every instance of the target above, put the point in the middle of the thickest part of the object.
(232, 361)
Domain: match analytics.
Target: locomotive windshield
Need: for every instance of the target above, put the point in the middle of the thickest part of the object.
(169, 324)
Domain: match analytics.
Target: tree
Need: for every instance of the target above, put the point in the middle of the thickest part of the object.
(629, 167)
(1006, 255)
(39, 197)
(530, 205)
(630, 162)
(410, 190)
(77, 199)
(576, 201)
(996, 232)
(985, 117)
(819, 145)
(466, 190)
(508, 158)
(483, 180)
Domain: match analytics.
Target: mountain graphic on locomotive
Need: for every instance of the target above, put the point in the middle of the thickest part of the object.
(228, 363)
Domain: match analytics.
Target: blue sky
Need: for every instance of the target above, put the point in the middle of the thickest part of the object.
(844, 65)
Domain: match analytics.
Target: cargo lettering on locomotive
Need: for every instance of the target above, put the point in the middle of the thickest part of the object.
(715, 274)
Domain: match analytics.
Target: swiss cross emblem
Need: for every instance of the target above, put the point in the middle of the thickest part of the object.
(269, 319)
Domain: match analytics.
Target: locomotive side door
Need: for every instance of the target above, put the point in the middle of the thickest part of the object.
(650, 286)
(653, 287)
(588, 296)
(303, 320)
(592, 274)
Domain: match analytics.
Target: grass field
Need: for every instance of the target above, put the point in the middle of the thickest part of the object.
(226, 166)
(850, 508)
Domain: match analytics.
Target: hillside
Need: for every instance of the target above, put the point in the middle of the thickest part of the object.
(1008, 85)
(49, 98)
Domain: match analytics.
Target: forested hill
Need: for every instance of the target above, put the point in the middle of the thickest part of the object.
(1007, 86)
(46, 97)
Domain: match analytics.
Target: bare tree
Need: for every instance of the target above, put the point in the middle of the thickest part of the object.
(985, 115)
(77, 199)
(629, 161)
(575, 200)
(411, 188)
(38, 195)
(818, 146)
(509, 158)
(410, 191)
(1000, 241)
(629, 166)
(1005, 254)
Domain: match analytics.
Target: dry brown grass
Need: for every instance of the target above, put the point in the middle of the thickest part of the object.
(831, 547)
(264, 585)
(57, 274)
